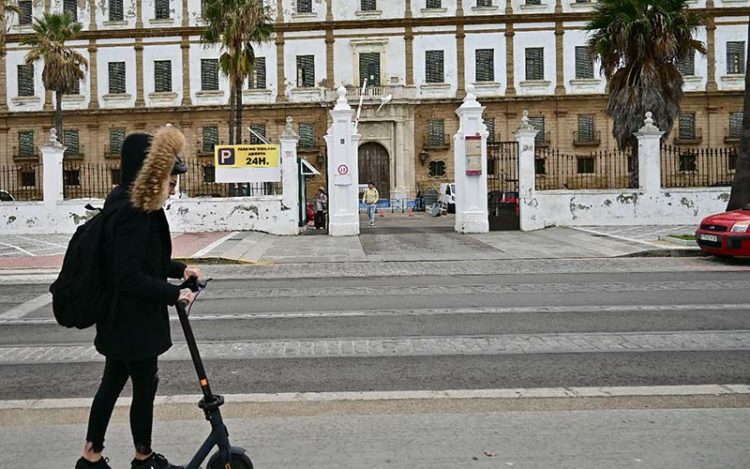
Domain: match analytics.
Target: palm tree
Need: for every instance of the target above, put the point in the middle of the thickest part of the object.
(639, 43)
(63, 66)
(740, 196)
(235, 25)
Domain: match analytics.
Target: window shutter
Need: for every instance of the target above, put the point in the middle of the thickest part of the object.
(306, 135)
(437, 169)
(26, 80)
(76, 88)
(162, 9)
(538, 124)
(306, 71)
(736, 57)
(584, 63)
(434, 66)
(117, 78)
(735, 124)
(26, 143)
(434, 4)
(304, 6)
(259, 72)
(484, 3)
(585, 128)
(485, 64)
(369, 67)
(436, 132)
(490, 124)
(210, 138)
(71, 6)
(209, 74)
(585, 164)
(72, 141)
(115, 10)
(162, 76)
(535, 63)
(368, 5)
(533, 2)
(687, 66)
(686, 129)
(26, 15)
(116, 138)
(259, 129)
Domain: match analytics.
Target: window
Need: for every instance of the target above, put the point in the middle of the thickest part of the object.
(209, 74)
(305, 71)
(732, 159)
(687, 162)
(433, 4)
(484, 3)
(116, 138)
(209, 174)
(26, 12)
(210, 138)
(585, 129)
(490, 124)
(257, 79)
(540, 166)
(369, 67)
(259, 129)
(26, 80)
(71, 7)
(72, 177)
(687, 66)
(535, 63)
(27, 177)
(735, 124)
(117, 78)
(72, 140)
(306, 135)
(585, 164)
(485, 64)
(162, 76)
(436, 133)
(584, 63)
(736, 57)
(538, 124)
(433, 66)
(116, 10)
(26, 143)
(114, 174)
(686, 128)
(162, 9)
(437, 169)
(76, 88)
(304, 6)
(533, 2)
(368, 5)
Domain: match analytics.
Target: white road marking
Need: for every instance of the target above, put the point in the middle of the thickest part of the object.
(42, 242)
(213, 245)
(28, 253)
(23, 309)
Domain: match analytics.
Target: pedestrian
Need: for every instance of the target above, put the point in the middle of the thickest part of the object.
(370, 199)
(321, 206)
(136, 332)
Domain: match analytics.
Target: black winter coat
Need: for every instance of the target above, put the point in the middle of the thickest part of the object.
(139, 250)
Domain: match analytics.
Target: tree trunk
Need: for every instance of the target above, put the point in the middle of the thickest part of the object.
(633, 179)
(232, 140)
(740, 196)
(238, 109)
(58, 115)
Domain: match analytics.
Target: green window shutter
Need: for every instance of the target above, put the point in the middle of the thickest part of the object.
(538, 124)
(209, 74)
(490, 124)
(533, 2)
(585, 128)
(72, 141)
(162, 76)
(116, 10)
(436, 132)
(116, 138)
(735, 124)
(162, 9)
(306, 135)
(306, 71)
(584, 63)
(117, 83)
(369, 67)
(686, 128)
(687, 66)
(535, 63)
(210, 138)
(258, 79)
(484, 3)
(71, 6)
(368, 5)
(304, 6)
(433, 4)
(26, 143)
(434, 66)
(27, 10)
(259, 129)
(485, 64)
(26, 80)
(736, 57)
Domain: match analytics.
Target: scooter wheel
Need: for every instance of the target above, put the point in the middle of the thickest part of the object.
(239, 461)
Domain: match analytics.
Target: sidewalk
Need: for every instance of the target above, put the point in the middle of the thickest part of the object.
(395, 238)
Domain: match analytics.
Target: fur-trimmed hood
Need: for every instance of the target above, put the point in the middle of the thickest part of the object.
(148, 190)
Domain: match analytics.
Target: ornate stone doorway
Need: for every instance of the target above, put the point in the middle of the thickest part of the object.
(375, 166)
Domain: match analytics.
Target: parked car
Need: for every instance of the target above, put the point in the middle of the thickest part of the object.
(725, 234)
(447, 196)
(5, 196)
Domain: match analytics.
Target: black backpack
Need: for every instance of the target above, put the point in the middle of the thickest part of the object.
(80, 295)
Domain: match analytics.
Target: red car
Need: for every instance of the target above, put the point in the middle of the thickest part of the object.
(725, 234)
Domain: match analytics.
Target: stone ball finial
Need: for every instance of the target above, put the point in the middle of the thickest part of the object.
(53, 139)
(649, 127)
(525, 122)
(648, 120)
(341, 91)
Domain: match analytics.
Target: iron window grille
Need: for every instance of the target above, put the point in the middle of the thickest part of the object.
(485, 64)
(434, 66)
(368, 5)
(116, 11)
(26, 143)
(26, 80)
(735, 124)
(162, 9)
(736, 57)
(436, 132)
(26, 15)
(687, 66)
(304, 6)
(436, 169)
(258, 78)
(210, 139)
(305, 71)
(306, 135)
(116, 139)
(259, 129)
(369, 67)
(540, 166)
(538, 123)
(72, 177)
(162, 76)
(117, 83)
(71, 7)
(72, 142)
(584, 63)
(27, 177)
(209, 74)
(688, 162)
(686, 127)
(586, 129)
(535, 63)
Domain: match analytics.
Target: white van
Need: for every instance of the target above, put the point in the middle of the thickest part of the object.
(447, 197)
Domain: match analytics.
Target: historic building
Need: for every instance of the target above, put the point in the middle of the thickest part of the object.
(147, 67)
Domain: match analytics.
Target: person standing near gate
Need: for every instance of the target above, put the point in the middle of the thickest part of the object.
(370, 199)
(321, 205)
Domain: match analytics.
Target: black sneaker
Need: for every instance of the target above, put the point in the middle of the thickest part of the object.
(100, 464)
(155, 461)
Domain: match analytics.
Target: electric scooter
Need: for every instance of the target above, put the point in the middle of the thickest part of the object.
(227, 456)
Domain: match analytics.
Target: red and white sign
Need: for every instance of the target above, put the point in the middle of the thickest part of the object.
(343, 169)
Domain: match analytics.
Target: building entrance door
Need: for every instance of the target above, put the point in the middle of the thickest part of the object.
(375, 167)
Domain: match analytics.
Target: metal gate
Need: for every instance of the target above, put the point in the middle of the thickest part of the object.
(502, 186)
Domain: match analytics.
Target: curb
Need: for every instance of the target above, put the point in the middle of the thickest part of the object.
(681, 242)
(668, 252)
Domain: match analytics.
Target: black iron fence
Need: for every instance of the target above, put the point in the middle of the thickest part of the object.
(594, 170)
(22, 181)
(697, 167)
(89, 180)
(502, 166)
(200, 181)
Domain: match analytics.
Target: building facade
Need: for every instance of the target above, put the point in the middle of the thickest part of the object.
(147, 67)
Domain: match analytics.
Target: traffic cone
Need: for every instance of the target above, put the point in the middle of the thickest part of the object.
(382, 213)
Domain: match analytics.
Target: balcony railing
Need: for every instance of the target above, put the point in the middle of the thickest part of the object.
(374, 93)
(436, 142)
(589, 139)
(694, 139)
(544, 140)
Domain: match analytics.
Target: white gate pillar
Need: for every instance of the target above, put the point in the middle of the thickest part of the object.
(52, 169)
(289, 170)
(649, 156)
(343, 173)
(470, 152)
(525, 135)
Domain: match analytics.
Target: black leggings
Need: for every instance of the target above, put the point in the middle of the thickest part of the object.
(144, 375)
